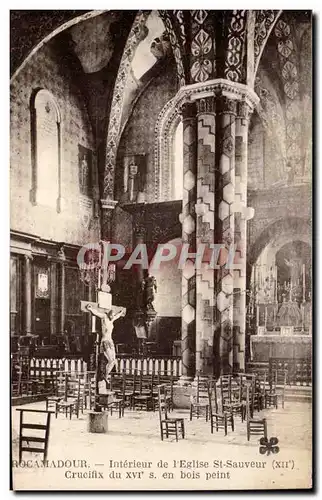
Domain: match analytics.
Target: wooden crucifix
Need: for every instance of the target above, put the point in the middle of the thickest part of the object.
(108, 314)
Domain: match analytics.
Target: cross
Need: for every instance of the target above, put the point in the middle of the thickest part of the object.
(101, 309)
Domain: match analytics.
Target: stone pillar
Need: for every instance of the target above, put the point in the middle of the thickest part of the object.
(205, 286)
(188, 220)
(242, 214)
(53, 298)
(62, 297)
(139, 272)
(107, 207)
(27, 295)
(226, 108)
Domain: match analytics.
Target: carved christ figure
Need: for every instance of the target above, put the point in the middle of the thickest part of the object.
(107, 346)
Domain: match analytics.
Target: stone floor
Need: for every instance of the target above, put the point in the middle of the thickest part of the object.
(202, 461)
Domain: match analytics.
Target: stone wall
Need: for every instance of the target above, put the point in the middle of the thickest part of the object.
(78, 221)
(139, 134)
(273, 205)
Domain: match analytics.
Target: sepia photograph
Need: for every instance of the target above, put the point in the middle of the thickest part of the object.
(161, 250)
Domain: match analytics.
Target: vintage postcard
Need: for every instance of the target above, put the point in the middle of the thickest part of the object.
(161, 249)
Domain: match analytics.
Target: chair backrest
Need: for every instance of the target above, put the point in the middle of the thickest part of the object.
(162, 400)
(61, 385)
(30, 440)
(225, 387)
(73, 387)
(248, 388)
(212, 395)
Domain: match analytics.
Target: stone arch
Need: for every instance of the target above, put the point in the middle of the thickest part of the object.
(52, 34)
(114, 128)
(167, 122)
(265, 20)
(290, 228)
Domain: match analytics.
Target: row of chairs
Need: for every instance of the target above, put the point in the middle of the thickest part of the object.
(136, 391)
(241, 395)
(72, 394)
(75, 392)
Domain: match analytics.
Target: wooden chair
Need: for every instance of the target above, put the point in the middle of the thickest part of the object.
(231, 396)
(60, 393)
(199, 402)
(218, 419)
(25, 440)
(143, 400)
(278, 378)
(259, 391)
(255, 426)
(116, 396)
(74, 399)
(168, 426)
(166, 380)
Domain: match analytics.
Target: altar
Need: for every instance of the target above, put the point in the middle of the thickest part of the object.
(266, 346)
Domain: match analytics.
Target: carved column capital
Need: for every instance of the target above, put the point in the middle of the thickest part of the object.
(206, 105)
(226, 105)
(187, 109)
(108, 205)
(244, 110)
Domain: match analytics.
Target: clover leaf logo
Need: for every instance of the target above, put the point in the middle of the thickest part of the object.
(268, 446)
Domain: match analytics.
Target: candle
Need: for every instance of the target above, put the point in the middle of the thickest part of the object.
(265, 321)
(303, 273)
(93, 324)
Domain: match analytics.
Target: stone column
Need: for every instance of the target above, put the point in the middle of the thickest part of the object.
(27, 295)
(226, 109)
(53, 298)
(242, 214)
(62, 297)
(205, 285)
(139, 272)
(107, 207)
(188, 220)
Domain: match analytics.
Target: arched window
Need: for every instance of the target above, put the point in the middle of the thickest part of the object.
(46, 150)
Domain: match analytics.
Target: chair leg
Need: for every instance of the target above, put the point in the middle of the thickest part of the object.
(176, 431)
(232, 423)
(190, 412)
(265, 429)
(182, 429)
(248, 432)
(226, 424)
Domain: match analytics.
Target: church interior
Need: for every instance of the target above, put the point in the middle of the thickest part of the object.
(157, 127)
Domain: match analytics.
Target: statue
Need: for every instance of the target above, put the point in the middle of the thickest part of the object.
(149, 286)
(107, 347)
